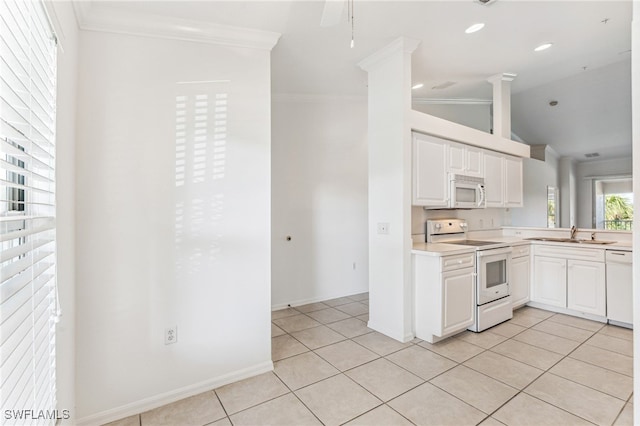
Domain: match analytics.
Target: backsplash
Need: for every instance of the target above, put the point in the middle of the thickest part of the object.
(478, 219)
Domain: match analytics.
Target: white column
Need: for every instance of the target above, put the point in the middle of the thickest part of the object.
(502, 104)
(389, 150)
(635, 119)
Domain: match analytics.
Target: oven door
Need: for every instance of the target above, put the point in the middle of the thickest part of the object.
(494, 268)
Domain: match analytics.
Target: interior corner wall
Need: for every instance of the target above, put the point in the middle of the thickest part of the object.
(537, 176)
(173, 220)
(568, 196)
(319, 199)
(67, 66)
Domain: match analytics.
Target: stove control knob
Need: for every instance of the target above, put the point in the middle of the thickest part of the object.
(438, 226)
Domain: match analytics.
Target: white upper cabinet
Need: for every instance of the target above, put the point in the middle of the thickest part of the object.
(430, 180)
(502, 180)
(494, 179)
(513, 194)
(465, 160)
(434, 159)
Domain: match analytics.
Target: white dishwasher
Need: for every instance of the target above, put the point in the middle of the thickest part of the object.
(619, 287)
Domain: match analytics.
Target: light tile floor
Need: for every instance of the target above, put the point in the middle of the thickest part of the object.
(538, 368)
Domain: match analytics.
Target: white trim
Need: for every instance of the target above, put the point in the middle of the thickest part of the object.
(159, 400)
(313, 98)
(404, 44)
(130, 23)
(609, 177)
(451, 101)
(505, 76)
(56, 26)
(303, 302)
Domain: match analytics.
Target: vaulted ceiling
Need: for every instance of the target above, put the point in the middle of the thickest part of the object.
(586, 69)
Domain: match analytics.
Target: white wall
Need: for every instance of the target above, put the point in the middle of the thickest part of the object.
(476, 116)
(319, 198)
(537, 175)
(584, 185)
(66, 29)
(161, 242)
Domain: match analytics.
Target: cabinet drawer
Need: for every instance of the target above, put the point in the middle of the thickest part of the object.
(520, 251)
(460, 261)
(578, 253)
(619, 256)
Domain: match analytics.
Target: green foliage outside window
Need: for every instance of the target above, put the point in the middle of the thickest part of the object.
(618, 212)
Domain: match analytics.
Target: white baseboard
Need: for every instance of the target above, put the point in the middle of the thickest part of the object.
(301, 302)
(566, 311)
(159, 400)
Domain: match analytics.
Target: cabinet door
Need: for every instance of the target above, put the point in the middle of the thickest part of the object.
(458, 300)
(513, 194)
(586, 287)
(457, 158)
(520, 280)
(619, 294)
(494, 179)
(430, 181)
(474, 165)
(550, 281)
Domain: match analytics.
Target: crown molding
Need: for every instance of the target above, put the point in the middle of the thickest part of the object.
(401, 44)
(313, 98)
(450, 101)
(112, 20)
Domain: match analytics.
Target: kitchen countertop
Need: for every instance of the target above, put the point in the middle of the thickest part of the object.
(444, 249)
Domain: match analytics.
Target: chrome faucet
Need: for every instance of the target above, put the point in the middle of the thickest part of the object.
(573, 232)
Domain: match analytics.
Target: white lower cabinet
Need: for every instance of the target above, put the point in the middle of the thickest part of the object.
(586, 287)
(520, 280)
(458, 300)
(573, 279)
(444, 294)
(550, 282)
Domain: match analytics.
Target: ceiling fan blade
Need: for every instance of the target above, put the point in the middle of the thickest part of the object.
(332, 13)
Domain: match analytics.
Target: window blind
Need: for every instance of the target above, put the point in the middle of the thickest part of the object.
(28, 295)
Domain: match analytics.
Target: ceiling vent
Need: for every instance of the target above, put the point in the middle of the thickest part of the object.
(592, 155)
(485, 2)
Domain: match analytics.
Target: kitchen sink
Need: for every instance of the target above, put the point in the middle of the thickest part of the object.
(570, 240)
(554, 239)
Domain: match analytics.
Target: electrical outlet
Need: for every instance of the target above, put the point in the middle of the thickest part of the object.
(170, 335)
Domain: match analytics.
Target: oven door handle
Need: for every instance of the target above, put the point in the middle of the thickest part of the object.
(493, 252)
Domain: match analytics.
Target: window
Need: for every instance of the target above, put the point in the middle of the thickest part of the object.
(614, 204)
(28, 305)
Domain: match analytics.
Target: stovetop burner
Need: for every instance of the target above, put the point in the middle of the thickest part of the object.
(470, 243)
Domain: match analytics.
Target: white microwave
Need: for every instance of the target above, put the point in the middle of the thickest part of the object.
(466, 192)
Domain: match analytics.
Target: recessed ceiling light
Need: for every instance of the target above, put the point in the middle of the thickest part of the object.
(418, 86)
(543, 47)
(474, 28)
